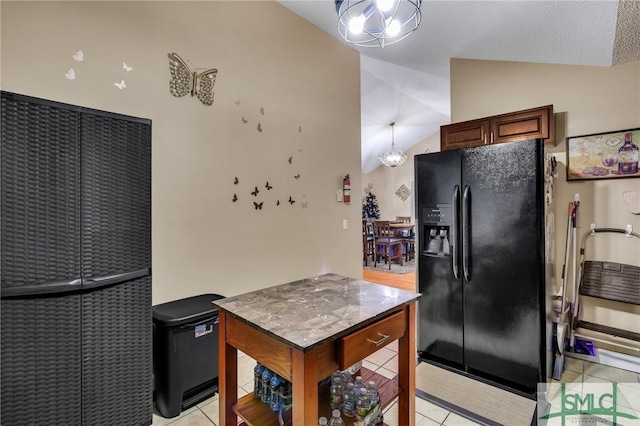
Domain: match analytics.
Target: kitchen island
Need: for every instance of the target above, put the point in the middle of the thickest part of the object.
(304, 331)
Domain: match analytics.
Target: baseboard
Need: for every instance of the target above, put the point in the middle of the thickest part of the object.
(612, 359)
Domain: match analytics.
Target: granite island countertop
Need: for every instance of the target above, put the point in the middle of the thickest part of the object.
(307, 313)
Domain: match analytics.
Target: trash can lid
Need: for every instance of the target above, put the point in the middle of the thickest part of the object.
(182, 311)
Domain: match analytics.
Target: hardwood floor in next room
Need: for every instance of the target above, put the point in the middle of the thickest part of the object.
(401, 281)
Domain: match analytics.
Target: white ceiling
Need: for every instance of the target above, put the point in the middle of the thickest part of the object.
(408, 82)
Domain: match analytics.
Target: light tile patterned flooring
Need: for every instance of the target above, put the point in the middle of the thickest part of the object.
(385, 362)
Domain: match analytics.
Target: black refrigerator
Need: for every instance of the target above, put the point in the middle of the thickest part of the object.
(482, 267)
(75, 277)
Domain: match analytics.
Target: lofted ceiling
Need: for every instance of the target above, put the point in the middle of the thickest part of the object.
(408, 82)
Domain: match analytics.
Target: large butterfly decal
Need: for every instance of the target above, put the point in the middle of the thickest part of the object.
(184, 80)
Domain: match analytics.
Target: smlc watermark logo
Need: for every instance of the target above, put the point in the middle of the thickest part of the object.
(588, 404)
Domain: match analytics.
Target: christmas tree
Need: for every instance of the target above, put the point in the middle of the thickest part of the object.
(370, 209)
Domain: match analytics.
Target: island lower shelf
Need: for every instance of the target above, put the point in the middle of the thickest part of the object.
(254, 412)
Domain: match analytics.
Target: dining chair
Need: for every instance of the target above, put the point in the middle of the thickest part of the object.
(386, 244)
(367, 241)
(409, 246)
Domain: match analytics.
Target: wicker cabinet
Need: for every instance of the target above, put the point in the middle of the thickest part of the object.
(534, 123)
(75, 281)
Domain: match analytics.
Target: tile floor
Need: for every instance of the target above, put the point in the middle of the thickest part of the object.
(385, 362)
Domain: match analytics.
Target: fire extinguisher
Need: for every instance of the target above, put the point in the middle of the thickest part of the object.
(346, 189)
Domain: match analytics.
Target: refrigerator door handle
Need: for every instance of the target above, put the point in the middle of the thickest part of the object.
(455, 232)
(107, 280)
(466, 249)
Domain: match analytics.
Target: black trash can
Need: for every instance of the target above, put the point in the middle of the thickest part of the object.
(185, 352)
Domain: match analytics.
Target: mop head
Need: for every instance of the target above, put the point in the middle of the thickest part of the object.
(585, 347)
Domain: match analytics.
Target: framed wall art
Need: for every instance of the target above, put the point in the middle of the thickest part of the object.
(603, 155)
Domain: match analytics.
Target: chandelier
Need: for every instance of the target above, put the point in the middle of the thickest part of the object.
(373, 23)
(392, 158)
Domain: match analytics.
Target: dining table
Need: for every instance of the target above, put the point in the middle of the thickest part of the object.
(400, 227)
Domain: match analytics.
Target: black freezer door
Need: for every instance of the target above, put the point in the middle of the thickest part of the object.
(505, 215)
(440, 315)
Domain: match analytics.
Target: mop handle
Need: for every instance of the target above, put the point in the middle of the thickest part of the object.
(567, 249)
(574, 281)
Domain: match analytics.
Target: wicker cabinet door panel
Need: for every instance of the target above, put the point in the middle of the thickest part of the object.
(39, 193)
(41, 356)
(116, 202)
(117, 355)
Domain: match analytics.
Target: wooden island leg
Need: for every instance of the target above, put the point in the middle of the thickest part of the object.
(305, 387)
(227, 375)
(407, 370)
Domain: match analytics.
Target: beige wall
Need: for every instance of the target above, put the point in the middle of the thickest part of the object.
(306, 82)
(586, 100)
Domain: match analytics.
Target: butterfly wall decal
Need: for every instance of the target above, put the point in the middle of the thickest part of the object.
(244, 120)
(184, 80)
(278, 203)
(259, 127)
(258, 206)
(126, 67)
(71, 74)
(296, 177)
(304, 204)
(235, 181)
(235, 198)
(290, 160)
(256, 192)
(120, 85)
(291, 200)
(78, 56)
(268, 186)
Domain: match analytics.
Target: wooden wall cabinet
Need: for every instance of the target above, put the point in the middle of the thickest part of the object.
(534, 123)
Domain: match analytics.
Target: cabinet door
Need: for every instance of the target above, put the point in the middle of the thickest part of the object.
(529, 124)
(464, 135)
(117, 354)
(41, 357)
(39, 195)
(39, 254)
(116, 196)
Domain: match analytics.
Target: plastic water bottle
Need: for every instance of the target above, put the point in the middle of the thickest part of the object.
(322, 421)
(346, 378)
(358, 384)
(257, 380)
(336, 420)
(336, 374)
(372, 392)
(266, 386)
(337, 394)
(275, 400)
(363, 405)
(349, 401)
(286, 397)
(374, 399)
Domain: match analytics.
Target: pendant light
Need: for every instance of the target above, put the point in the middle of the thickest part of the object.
(377, 23)
(392, 158)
